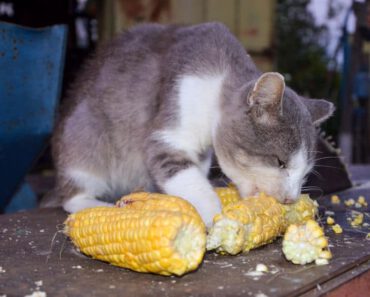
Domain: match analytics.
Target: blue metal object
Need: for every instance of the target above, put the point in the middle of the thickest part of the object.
(24, 198)
(31, 64)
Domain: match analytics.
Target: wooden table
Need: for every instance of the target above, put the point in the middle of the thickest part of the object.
(35, 255)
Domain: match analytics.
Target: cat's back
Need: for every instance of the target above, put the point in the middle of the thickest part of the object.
(146, 53)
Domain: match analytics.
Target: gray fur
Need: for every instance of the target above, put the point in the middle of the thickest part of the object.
(127, 91)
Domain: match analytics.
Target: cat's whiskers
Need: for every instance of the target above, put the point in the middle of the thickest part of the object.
(314, 188)
(325, 158)
(327, 166)
(314, 152)
(316, 173)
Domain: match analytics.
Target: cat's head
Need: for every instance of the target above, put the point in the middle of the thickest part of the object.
(267, 143)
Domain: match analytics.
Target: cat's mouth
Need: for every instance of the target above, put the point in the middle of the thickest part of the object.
(250, 190)
(255, 192)
(288, 201)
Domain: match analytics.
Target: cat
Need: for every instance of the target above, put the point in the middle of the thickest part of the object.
(151, 108)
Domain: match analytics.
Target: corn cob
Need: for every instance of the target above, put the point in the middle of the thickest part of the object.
(168, 225)
(155, 201)
(148, 233)
(228, 195)
(246, 224)
(306, 243)
(255, 221)
(302, 210)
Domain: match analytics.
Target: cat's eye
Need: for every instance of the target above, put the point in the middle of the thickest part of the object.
(281, 164)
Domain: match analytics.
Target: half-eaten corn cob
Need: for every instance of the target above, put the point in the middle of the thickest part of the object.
(302, 210)
(305, 243)
(147, 233)
(228, 195)
(255, 221)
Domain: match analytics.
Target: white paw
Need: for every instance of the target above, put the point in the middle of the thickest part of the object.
(82, 201)
(208, 211)
(191, 185)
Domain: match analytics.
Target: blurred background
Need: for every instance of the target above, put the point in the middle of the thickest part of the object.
(322, 47)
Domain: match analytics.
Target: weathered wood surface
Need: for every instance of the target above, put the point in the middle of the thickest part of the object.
(33, 248)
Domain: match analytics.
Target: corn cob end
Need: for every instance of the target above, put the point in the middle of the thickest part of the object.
(306, 243)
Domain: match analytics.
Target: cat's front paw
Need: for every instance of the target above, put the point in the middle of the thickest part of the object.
(208, 211)
(82, 201)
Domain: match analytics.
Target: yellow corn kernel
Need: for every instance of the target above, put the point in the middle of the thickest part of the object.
(330, 221)
(335, 199)
(349, 202)
(358, 220)
(306, 243)
(302, 210)
(148, 233)
(262, 267)
(228, 195)
(255, 221)
(337, 229)
(362, 201)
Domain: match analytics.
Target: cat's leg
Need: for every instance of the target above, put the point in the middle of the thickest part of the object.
(192, 185)
(177, 175)
(81, 201)
(80, 189)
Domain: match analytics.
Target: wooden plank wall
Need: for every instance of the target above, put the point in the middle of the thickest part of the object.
(250, 20)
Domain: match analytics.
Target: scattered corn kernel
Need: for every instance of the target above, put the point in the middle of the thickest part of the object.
(358, 220)
(306, 243)
(261, 267)
(335, 199)
(337, 229)
(349, 202)
(361, 200)
(368, 236)
(330, 221)
(358, 205)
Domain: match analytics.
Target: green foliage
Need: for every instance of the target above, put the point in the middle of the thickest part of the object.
(302, 55)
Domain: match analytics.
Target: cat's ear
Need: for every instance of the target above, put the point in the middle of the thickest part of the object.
(266, 98)
(319, 109)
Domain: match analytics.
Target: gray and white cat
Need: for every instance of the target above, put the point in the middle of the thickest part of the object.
(149, 110)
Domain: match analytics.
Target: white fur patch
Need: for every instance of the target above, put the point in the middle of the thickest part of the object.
(92, 185)
(284, 184)
(193, 186)
(199, 98)
(82, 201)
(297, 169)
